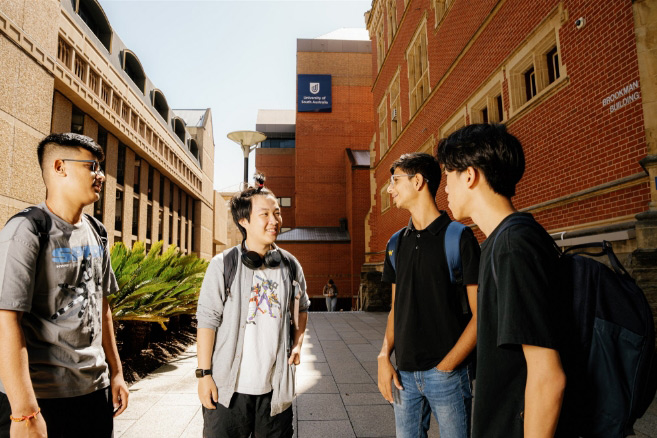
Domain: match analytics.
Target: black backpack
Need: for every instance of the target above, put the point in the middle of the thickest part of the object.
(42, 223)
(611, 367)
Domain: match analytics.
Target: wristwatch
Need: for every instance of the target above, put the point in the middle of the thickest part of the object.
(200, 373)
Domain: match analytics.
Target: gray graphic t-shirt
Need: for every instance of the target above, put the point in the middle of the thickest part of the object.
(60, 296)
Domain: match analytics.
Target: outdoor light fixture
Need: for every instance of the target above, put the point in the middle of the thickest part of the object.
(248, 140)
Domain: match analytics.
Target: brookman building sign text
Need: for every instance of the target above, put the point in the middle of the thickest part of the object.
(314, 93)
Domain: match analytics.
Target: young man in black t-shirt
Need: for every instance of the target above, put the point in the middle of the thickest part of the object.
(520, 378)
(427, 328)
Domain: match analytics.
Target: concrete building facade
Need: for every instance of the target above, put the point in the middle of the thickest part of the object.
(325, 174)
(65, 70)
(572, 79)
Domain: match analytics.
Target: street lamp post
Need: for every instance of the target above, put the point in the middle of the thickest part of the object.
(248, 140)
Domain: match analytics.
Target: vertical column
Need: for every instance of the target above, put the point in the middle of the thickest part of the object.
(128, 197)
(166, 233)
(155, 223)
(183, 221)
(176, 203)
(143, 200)
(109, 204)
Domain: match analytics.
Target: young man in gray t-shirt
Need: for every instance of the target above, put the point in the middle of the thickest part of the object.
(60, 371)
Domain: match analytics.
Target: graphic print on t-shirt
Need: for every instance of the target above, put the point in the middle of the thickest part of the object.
(82, 300)
(263, 299)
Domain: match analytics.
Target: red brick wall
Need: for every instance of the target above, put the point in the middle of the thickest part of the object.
(572, 142)
(278, 167)
(358, 204)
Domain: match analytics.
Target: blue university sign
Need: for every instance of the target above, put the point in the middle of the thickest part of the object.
(314, 93)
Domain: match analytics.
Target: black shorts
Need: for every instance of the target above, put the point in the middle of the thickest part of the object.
(247, 414)
(85, 416)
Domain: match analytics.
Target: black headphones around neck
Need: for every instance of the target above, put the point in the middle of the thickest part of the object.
(253, 260)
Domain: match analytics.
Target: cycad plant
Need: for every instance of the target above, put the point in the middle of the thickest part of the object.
(154, 287)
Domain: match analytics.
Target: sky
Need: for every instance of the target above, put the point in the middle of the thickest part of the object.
(234, 57)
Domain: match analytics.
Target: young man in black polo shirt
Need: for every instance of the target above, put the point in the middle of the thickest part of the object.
(427, 329)
(520, 379)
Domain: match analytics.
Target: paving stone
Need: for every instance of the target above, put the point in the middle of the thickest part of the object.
(358, 387)
(313, 369)
(178, 399)
(372, 421)
(121, 425)
(138, 403)
(363, 398)
(316, 385)
(320, 407)
(333, 429)
(195, 427)
(162, 421)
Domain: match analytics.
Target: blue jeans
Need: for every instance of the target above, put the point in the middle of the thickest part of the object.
(331, 304)
(447, 394)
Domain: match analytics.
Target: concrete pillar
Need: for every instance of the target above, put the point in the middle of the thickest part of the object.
(109, 206)
(190, 224)
(165, 214)
(143, 200)
(62, 113)
(176, 204)
(183, 221)
(128, 196)
(155, 223)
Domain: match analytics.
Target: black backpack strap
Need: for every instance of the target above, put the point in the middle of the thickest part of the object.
(605, 249)
(99, 228)
(230, 267)
(41, 221)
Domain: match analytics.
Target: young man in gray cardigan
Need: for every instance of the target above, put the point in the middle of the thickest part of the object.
(247, 345)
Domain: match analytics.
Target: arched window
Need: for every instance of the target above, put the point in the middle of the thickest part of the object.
(160, 104)
(94, 17)
(133, 68)
(193, 148)
(179, 128)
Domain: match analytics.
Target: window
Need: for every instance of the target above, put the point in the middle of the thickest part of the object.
(142, 129)
(120, 165)
(94, 81)
(151, 175)
(440, 9)
(553, 65)
(487, 105)
(179, 128)
(418, 69)
(134, 70)
(456, 122)
(395, 110)
(118, 210)
(285, 202)
(125, 112)
(385, 198)
(80, 68)
(135, 216)
(135, 183)
(117, 103)
(428, 145)
(77, 121)
(392, 20)
(94, 17)
(380, 44)
(536, 67)
(134, 121)
(160, 104)
(275, 143)
(383, 128)
(64, 53)
(106, 93)
(530, 83)
(149, 220)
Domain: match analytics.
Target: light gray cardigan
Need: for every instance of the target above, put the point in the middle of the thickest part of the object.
(229, 321)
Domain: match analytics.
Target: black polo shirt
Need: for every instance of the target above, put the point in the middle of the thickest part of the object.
(428, 312)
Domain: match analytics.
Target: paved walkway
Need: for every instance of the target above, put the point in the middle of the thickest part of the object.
(336, 383)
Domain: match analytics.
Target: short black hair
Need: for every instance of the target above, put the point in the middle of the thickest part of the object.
(488, 148)
(240, 204)
(424, 164)
(70, 139)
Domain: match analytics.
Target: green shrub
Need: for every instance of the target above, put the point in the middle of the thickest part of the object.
(154, 286)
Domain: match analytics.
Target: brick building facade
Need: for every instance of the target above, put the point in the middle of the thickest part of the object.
(573, 80)
(325, 174)
(64, 69)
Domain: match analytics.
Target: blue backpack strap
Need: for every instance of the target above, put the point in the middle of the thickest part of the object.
(453, 251)
(392, 247)
(230, 266)
(453, 255)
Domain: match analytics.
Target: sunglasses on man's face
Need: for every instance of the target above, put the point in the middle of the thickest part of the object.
(95, 165)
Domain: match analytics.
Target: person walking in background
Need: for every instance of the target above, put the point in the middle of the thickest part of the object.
(331, 293)
(59, 366)
(428, 328)
(522, 311)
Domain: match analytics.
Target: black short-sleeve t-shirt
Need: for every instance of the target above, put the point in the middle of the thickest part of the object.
(525, 306)
(429, 315)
